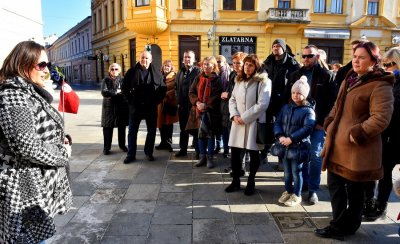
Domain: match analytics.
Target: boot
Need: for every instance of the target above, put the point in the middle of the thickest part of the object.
(369, 206)
(250, 186)
(202, 160)
(379, 211)
(210, 162)
(234, 186)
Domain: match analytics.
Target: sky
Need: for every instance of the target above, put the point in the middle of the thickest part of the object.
(61, 15)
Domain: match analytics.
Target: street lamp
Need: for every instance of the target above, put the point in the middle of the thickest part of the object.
(364, 37)
(395, 40)
(209, 36)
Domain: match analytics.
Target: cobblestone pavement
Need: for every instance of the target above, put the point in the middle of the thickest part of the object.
(171, 201)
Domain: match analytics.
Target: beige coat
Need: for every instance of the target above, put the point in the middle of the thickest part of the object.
(243, 103)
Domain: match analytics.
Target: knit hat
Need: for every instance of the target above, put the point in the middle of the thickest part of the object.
(301, 86)
(281, 43)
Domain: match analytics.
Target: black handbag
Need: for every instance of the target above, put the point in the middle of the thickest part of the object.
(205, 130)
(278, 150)
(169, 109)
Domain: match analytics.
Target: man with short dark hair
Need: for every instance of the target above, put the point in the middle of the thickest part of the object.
(144, 87)
(322, 95)
(183, 82)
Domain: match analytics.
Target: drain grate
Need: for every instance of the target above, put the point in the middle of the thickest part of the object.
(294, 222)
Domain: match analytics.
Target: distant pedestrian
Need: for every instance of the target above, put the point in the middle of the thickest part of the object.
(34, 186)
(115, 110)
(292, 128)
(249, 101)
(168, 109)
(144, 88)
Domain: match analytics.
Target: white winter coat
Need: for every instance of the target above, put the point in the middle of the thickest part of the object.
(243, 103)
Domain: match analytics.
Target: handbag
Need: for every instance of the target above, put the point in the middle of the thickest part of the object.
(278, 150)
(193, 122)
(262, 128)
(169, 109)
(205, 130)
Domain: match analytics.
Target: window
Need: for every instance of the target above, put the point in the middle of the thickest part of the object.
(284, 4)
(83, 42)
(188, 4)
(319, 6)
(372, 7)
(337, 6)
(106, 15)
(229, 5)
(248, 5)
(120, 9)
(142, 3)
(95, 22)
(112, 13)
(100, 21)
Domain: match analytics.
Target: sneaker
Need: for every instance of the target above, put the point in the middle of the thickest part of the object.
(285, 196)
(293, 200)
(312, 198)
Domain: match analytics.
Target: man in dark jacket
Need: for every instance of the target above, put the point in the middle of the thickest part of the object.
(144, 88)
(323, 94)
(184, 80)
(279, 65)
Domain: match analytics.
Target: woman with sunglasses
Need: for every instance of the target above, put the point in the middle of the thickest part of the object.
(34, 151)
(115, 110)
(353, 147)
(391, 143)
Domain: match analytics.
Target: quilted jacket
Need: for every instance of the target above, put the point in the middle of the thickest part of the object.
(33, 178)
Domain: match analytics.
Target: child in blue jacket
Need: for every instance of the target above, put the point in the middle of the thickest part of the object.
(292, 130)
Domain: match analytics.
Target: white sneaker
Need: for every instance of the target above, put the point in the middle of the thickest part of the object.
(293, 200)
(285, 196)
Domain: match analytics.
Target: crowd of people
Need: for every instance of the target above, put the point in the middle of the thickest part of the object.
(341, 120)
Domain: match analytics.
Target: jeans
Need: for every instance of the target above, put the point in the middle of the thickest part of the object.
(206, 145)
(293, 173)
(312, 169)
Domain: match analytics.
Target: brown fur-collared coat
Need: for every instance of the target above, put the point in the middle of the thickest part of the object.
(170, 98)
(362, 111)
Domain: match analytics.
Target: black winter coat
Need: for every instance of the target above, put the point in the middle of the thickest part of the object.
(391, 136)
(226, 120)
(148, 95)
(323, 90)
(115, 108)
(278, 72)
(182, 86)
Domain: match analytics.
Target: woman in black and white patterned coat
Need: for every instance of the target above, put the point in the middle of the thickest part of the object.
(33, 149)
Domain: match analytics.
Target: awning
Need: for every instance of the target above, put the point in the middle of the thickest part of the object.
(327, 33)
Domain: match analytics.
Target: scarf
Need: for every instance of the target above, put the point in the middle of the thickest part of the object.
(204, 90)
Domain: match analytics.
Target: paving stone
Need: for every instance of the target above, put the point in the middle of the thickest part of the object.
(80, 233)
(94, 213)
(91, 176)
(121, 174)
(115, 183)
(208, 192)
(135, 224)
(173, 215)
(259, 233)
(213, 231)
(137, 206)
(83, 188)
(149, 176)
(176, 188)
(170, 234)
(77, 167)
(179, 169)
(211, 210)
(143, 191)
(250, 214)
(178, 179)
(108, 195)
(175, 198)
(61, 220)
(205, 178)
(123, 239)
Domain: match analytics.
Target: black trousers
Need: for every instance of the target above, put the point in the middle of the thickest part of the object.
(166, 134)
(108, 135)
(183, 114)
(150, 116)
(347, 200)
(236, 161)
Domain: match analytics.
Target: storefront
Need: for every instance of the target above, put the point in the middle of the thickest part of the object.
(232, 44)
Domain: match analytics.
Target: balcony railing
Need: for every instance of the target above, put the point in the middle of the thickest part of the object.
(288, 15)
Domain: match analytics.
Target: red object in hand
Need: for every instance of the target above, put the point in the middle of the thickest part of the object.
(69, 100)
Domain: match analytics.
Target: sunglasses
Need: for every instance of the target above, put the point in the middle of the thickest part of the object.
(219, 61)
(308, 56)
(42, 66)
(388, 65)
(112, 69)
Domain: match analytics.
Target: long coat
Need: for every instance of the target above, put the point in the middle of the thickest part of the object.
(170, 98)
(243, 103)
(33, 178)
(115, 110)
(362, 111)
(226, 119)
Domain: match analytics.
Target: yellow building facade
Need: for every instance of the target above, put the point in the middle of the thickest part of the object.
(122, 29)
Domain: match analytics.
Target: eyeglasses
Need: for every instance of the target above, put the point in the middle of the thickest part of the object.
(236, 63)
(308, 56)
(219, 61)
(388, 65)
(114, 69)
(41, 66)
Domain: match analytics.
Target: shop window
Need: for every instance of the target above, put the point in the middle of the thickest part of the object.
(372, 7)
(189, 43)
(319, 6)
(248, 5)
(337, 7)
(284, 4)
(140, 3)
(188, 4)
(229, 5)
